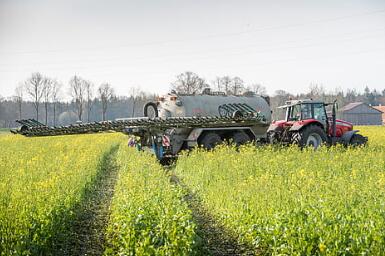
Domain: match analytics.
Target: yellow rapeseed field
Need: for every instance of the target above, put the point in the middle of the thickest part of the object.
(287, 201)
(277, 200)
(41, 181)
(148, 213)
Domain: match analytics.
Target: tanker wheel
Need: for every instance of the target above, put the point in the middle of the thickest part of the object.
(210, 140)
(357, 140)
(310, 136)
(150, 110)
(240, 138)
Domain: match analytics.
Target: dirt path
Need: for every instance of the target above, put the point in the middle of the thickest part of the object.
(214, 239)
(92, 216)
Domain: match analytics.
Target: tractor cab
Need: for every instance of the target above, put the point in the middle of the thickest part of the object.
(306, 110)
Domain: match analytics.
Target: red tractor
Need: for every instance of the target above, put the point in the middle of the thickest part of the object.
(307, 124)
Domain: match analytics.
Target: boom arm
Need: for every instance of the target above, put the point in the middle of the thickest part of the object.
(32, 127)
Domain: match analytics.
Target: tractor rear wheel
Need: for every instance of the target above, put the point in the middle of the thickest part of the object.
(210, 140)
(310, 136)
(240, 138)
(357, 140)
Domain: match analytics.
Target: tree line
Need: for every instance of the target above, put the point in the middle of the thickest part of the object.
(190, 83)
(44, 90)
(41, 97)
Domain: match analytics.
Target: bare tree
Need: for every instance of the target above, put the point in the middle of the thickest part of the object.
(89, 86)
(217, 84)
(56, 86)
(134, 93)
(316, 90)
(78, 92)
(258, 89)
(226, 84)
(279, 99)
(34, 87)
(2, 112)
(19, 91)
(47, 95)
(189, 83)
(106, 93)
(237, 86)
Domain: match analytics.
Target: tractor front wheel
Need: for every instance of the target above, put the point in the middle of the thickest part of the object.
(357, 140)
(310, 136)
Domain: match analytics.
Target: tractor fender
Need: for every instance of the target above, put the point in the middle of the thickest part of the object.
(300, 124)
(347, 136)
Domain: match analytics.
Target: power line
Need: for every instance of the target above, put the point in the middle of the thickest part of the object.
(205, 37)
(208, 55)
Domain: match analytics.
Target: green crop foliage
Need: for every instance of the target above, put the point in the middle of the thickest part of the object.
(41, 181)
(284, 201)
(148, 213)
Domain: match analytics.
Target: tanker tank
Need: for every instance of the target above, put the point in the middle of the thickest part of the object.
(174, 105)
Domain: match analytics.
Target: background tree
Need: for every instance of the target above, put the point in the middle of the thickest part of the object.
(47, 91)
(78, 92)
(34, 87)
(55, 97)
(134, 94)
(316, 90)
(2, 111)
(350, 96)
(217, 84)
(258, 89)
(106, 93)
(189, 83)
(226, 84)
(279, 98)
(237, 86)
(89, 86)
(19, 91)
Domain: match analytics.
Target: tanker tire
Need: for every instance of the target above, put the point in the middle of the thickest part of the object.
(310, 136)
(210, 140)
(357, 140)
(240, 138)
(150, 104)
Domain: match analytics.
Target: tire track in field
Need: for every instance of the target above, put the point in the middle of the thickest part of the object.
(89, 226)
(214, 238)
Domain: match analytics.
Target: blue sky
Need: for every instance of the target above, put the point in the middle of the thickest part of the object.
(284, 45)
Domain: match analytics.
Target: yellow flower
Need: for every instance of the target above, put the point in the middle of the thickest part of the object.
(321, 247)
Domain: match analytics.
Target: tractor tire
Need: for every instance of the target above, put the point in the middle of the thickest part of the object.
(310, 136)
(240, 138)
(210, 140)
(357, 140)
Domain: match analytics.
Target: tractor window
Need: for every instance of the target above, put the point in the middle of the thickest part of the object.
(295, 113)
(319, 112)
(306, 111)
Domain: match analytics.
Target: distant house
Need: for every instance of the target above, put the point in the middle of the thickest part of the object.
(382, 109)
(360, 113)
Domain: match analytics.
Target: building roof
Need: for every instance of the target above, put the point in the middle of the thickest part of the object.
(353, 105)
(380, 108)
